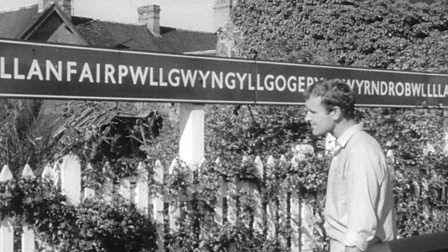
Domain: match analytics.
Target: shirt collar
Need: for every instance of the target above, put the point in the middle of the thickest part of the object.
(348, 133)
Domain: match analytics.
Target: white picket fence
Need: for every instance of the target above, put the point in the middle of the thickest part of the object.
(289, 211)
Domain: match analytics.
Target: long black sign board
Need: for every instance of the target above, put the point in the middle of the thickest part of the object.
(42, 70)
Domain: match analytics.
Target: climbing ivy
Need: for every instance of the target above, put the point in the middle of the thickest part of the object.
(385, 34)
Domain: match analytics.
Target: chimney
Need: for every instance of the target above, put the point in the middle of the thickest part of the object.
(222, 10)
(64, 5)
(149, 15)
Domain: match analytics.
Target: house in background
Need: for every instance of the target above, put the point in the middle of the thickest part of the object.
(52, 21)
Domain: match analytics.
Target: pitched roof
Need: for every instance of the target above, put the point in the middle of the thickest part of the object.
(46, 24)
(139, 37)
(13, 22)
(112, 34)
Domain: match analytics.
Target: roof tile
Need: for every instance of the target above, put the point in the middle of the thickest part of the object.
(139, 37)
(14, 22)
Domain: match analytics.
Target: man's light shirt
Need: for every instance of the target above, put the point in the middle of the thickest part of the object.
(359, 207)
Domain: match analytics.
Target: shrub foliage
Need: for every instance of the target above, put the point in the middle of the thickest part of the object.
(94, 225)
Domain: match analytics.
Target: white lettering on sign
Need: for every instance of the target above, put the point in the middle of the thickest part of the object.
(241, 79)
(17, 75)
(34, 71)
(86, 73)
(292, 83)
(109, 71)
(174, 80)
(50, 69)
(59, 71)
(138, 75)
(122, 72)
(188, 77)
(399, 89)
(218, 80)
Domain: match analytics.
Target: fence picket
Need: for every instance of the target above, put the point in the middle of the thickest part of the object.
(157, 205)
(6, 224)
(444, 193)
(260, 208)
(174, 205)
(283, 221)
(219, 209)
(307, 227)
(71, 178)
(57, 175)
(271, 215)
(300, 240)
(49, 174)
(142, 189)
(46, 172)
(271, 206)
(107, 189)
(88, 193)
(283, 210)
(125, 187)
(231, 193)
(257, 214)
(28, 244)
(27, 172)
(246, 188)
(296, 221)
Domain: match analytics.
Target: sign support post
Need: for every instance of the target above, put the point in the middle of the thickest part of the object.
(191, 148)
(191, 142)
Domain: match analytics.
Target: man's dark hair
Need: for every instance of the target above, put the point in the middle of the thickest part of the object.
(333, 93)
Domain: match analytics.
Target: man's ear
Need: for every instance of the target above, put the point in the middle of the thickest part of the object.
(336, 113)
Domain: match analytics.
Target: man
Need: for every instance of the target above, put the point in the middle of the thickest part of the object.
(359, 208)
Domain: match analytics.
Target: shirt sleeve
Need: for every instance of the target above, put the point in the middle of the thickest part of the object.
(363, 187)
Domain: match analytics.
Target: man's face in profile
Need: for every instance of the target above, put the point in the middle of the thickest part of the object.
(317, 115)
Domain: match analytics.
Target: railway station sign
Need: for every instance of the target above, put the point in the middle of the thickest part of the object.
(55, 71)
